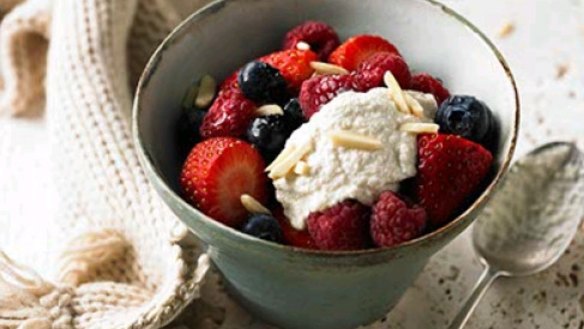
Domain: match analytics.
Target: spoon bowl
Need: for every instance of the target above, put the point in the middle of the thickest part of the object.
(531, 220)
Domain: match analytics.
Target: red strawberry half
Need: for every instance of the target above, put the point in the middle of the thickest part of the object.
(293, 64)
(217, 172)
(359, 48)
(450, 170)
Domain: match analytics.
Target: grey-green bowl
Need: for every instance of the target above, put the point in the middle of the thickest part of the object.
(292, 288)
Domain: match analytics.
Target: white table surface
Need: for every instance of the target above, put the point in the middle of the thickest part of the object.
(548, 35)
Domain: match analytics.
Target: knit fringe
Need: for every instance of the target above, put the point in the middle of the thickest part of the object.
(89, 251)
(20, 292)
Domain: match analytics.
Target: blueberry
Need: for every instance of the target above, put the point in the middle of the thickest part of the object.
(188, 127)
(293, 114)
(268, 133)
(264, 227)
(262, 83)
(468, 117)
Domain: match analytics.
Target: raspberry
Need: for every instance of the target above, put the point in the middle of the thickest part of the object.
(371, 71)
(319, 90)
(229, 115)
(428, 84)
(394, 222)
(344, 226)
(321, 37)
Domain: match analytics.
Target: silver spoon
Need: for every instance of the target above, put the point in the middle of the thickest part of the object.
(531, 220)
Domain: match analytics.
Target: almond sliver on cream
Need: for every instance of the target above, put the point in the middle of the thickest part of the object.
(253, 206)
(343, 138)
(415, 107)
(396, 92)
(285, 153)
(283, 167)
(420, 128)
(302, 168)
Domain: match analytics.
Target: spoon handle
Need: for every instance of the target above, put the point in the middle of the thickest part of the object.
(487, 277)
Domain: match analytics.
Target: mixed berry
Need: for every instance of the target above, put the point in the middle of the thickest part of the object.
(238, 134)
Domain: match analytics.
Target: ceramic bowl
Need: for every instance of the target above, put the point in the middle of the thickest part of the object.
(288, 287)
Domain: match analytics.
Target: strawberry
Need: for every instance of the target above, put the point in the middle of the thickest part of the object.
(292, 236)
(428, 84)
(359, 48)
(371, 71)
(293, 64)
(321, 37)
(450, 170)
(217, 172)
(229, 115)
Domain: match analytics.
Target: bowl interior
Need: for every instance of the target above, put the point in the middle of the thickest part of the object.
(228, 34)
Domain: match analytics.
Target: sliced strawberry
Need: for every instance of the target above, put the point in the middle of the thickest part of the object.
(229, 115)
(293, 64)
(292, 236)
(450, 170)
(217, 172)
(359, 48)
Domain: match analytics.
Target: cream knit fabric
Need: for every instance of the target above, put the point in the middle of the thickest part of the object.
(130, 263)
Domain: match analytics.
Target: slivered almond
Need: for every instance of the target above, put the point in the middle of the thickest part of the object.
(285, 152)
(253, 206)
(327, 69)
(396, 92)
(353, 140)
(270, 109)
(420, 128)
(415, 106)
(302, 46)
(206, 93)
(302, 168)
(283, 167)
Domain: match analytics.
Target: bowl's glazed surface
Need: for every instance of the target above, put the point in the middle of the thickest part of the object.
(289, 287)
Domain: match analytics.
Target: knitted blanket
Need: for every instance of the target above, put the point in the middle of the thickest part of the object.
(126, 262)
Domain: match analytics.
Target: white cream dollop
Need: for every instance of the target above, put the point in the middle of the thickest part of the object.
(340, 173)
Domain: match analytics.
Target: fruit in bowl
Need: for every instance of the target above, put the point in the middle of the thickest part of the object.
(334, 146)
(297, 283)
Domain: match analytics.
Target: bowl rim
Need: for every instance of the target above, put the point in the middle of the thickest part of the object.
(459, 222)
